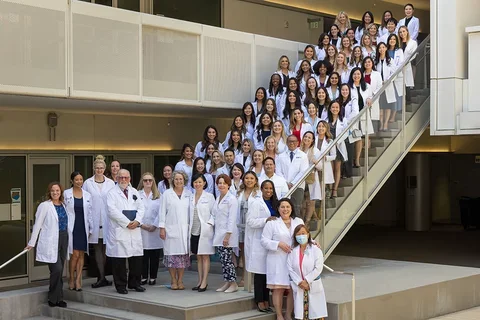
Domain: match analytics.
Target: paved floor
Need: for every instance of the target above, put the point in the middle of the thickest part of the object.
(471, 314)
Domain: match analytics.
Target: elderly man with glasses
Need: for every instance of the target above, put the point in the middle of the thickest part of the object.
(124, 241)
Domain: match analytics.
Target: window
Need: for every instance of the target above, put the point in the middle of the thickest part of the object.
(132, 5)
(160, 161)
(12, 214)
(84, 164)
(200, 11)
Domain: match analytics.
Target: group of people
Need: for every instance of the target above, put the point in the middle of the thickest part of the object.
(230, 197)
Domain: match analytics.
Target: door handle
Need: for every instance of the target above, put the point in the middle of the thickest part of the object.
(31, 226)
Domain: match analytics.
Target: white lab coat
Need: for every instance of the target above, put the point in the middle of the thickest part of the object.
(274, 232)
(305, 127)
(254, 196)
(313, 122)
(333, 96)
(204, 210)
(408, 53)
(255, 254)
(279, 97)
(320, 52)
(174, 217)
(331, 156)
(375, 85)
(312, 266)
(46, 231)
(200, 153)
(162, 187)
(314, 188)
(384, 37)
(291, 74)
(369, 54)
(339, 42)
(121, 241)
(323, 116)
(183, 166)
(279, 182)
(281, 146)
(246, 164)
(344, 76)
(388, 70)
(397, 62)
(351, 111)
(87, 213)
(318, 81)
(225, 212)
(342, 148)
(225, 144)
(293, 170)
(366, 94)
(210, 183)
(99, 207)
(359, 33)
(258, 144)
(151, 240)
(250, 128)
(413, 27)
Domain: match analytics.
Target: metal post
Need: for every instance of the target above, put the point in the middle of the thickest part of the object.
(353, 296)
(365, 173)
(404, 109)
(425, 70)
(324, 207)
(17, 256)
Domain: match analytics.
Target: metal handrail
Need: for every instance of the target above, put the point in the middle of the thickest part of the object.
(353, 285)
(357, 118)
(14, 258)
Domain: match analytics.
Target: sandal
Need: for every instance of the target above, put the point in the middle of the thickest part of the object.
(174, 285)
(334, 194)
(181, 286)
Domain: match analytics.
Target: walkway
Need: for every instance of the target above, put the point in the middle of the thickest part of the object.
(470, 314)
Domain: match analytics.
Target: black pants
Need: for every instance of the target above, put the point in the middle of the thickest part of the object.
(55, 291)
(100, 258)
(260, 291)
(151, 259)
(119, 270)
(348, 165)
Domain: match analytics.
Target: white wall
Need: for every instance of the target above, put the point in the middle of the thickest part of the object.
(449, 64)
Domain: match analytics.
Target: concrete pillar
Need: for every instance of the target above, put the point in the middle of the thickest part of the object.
(418, 215)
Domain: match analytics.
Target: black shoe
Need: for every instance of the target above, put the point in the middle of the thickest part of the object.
(61, 304)
(51, 304)
(144, 282)
(152, 282)
(122, 291)
(195, 288)
(138, 288)
(203, 289)
(101, 283)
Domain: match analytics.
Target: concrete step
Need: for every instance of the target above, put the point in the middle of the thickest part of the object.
(380, 142)
(349, 182)
(84, 311)
(373, 151)
(371, 161)
(253, 314)
(392, 133)
(398, 116)
(39, 318)
(344, 191)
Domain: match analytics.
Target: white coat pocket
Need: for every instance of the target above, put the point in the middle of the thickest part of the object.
(172, 232)
(121, 234)
(207, 231)
(316, 286)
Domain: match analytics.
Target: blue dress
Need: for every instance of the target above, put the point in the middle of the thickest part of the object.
(79, 235)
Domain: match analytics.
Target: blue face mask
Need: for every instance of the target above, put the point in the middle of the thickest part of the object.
(302, 239)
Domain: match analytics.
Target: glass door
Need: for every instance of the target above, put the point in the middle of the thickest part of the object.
(42, 171)
(137, 165)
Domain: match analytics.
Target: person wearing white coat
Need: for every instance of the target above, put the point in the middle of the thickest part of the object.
(324, 140)
(53, 227)
(78, 204)
(152, 244)
(409, 47)
(281, 186)
(305, 264)
(174, 225)
(374, 79)
(259, 213)
(186, 162)
(98, 186)
(298, 124)
(277, 240)
(124, 241)
(386, 67)
(225, 239)
(413, 23)
(210, 135)
(201, 229)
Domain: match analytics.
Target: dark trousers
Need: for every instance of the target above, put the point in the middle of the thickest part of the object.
(55, 291)
(100, 258)
(348, 165)
(151, 259)
(260, 291)
(119, 270)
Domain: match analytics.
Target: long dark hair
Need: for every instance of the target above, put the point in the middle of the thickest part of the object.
(320, 40)
(166, 181)
(263, 101)
(298, 104)
(274, 195)
(340, 99)
(327, 100)
(260, 125)
(293, 214)
(377, 54)
(205, 138)
(195, 162)
(231, 143)
(297, 229)
(329, 83)
(234, 127)
(363, 84)
(363, 63)
(330, 114)
(279, 88)
(244, 116)
(384, 23)
(363, 25)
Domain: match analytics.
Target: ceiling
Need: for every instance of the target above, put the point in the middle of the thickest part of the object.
(418, 4)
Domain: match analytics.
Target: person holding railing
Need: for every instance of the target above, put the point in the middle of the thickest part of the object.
(305, 264)
(397, 58)
(277, 240)
(324, 140)
(384, 65)
(350, 110)
(53, 228)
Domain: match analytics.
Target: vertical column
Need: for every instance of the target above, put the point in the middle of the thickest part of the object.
(418, 215)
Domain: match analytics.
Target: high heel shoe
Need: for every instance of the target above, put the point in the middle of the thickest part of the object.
(232, 288)
(334, 194)
(203, 289)
(223, 288)
(196, 288)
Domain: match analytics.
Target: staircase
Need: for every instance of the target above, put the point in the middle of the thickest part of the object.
(386, 151)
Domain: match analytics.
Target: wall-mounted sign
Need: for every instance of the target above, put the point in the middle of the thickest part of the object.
(16, 195)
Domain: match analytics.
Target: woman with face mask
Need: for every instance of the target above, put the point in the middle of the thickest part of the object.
(305, 264)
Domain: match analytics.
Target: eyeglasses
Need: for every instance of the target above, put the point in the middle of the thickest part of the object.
(147, 180)
(123, 178)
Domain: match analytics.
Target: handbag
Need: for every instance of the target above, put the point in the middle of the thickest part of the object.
(357, 133)
(311, 177)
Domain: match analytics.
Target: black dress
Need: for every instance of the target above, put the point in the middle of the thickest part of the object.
(79, 235)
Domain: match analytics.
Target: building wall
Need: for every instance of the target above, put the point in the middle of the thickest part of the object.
(21, 130)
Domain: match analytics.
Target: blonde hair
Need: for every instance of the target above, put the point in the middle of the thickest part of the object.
(370, 26)
(344, 66)
(265, 146)
(327, 57)
(253, 164)
(408, 33)
(348, 24)
(310, 151)
(99, 159)
(213, 166)
(279, 62)
(362, 41)
(283, 135)
(155, 192)
(292, 118)
(251, 145)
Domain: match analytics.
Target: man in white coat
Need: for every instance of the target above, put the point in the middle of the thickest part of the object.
(124, 240)
(293, 164)
(281, 187)
(229, 156)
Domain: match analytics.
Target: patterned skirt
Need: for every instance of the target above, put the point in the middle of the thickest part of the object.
(305, 306)
(177, 261)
